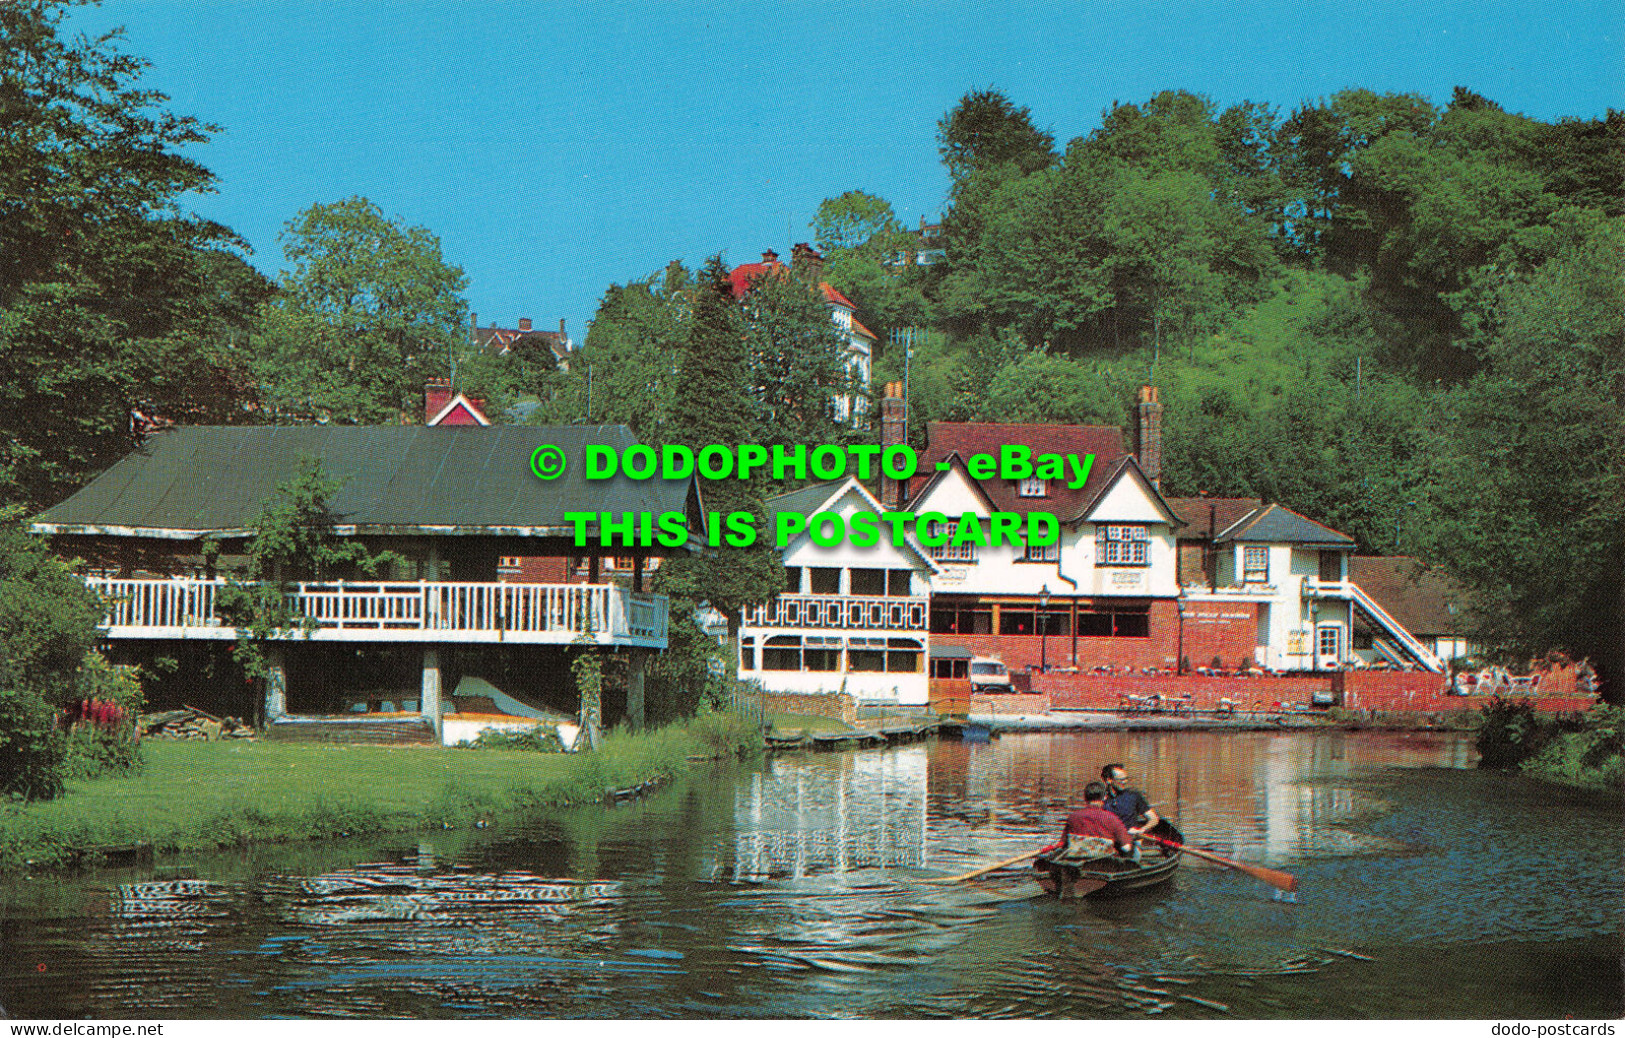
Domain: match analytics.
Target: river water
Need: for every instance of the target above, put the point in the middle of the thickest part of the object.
(794, 889)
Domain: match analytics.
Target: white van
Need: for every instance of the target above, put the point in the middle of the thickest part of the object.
(988, 675)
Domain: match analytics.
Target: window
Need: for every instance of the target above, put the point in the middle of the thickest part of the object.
(792, 580)
(782, 652)
(950, 668)
(747, 654)
(1045, 553)
(1118, 545)
(1328, 640)
(1255, 565)
(948, 551)
(1017, 620)
(821, 654)
(1114, 620)
(897, 583)
(1032, 486)
(869, 582)
(825, 580)
(902, 656)
(509, 562)
(952, 618)
(867, 655)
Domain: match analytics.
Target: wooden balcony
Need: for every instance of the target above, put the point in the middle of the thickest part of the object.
(841, 612)
(401, 611)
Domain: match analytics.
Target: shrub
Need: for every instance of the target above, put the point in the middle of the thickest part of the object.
(1590, 754)
(539, 739)
(1510, 732)
(102, 736)
(33, 751)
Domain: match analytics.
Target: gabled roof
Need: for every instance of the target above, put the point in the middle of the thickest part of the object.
(450, 480)
(857, 326)
(1276, 525)
(1221, 512)
(459, 410)
(1127, 465)
(817, 497)
(833, 296)
(954, 464)
(1105, 442)
(1422, 600)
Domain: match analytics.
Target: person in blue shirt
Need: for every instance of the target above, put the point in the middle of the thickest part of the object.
(1128, 804)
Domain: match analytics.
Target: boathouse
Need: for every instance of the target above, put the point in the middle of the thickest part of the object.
(162, 531)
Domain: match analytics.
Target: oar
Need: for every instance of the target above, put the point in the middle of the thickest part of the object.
(990, 868)
(1279, 880)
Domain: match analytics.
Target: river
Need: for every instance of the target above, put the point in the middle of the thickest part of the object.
(793, 889)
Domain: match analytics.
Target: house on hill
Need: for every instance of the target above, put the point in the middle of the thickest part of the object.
(805, 262)
(163, 529)
(504, 341)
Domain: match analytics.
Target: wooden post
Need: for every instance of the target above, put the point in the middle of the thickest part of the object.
(637, 571)
(636, 664)
(429, 698)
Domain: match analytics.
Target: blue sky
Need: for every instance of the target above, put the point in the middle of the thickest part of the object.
(557, 148)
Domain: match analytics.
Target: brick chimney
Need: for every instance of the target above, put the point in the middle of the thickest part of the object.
(770, 258)
(806, 261)
(436, 395)
(524, 324)
(1148, 435)
(893, 432)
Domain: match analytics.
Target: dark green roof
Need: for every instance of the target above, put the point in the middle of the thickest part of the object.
(1273, 524)
(803, 502)
(215, 480)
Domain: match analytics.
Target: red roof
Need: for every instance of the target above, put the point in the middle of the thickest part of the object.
(1105, 442)
(1423, 600)
(740, 278)
(858, 327)
(833, 295)
(1225, 512)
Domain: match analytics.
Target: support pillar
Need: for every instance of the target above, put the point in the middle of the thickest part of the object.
(276, 684)
(429, 698)
(636, 665)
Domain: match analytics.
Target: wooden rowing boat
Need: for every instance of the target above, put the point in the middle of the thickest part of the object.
(1111, 875)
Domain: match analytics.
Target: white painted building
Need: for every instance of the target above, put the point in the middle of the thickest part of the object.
(852, 620)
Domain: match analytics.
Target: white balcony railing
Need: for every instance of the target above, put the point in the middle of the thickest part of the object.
(841, 612)
(403, 611)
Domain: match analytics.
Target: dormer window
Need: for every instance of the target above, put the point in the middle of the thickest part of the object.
(1032, 486)
(1120, 545)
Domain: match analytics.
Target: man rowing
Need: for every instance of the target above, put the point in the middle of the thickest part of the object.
(1094, 828)
(1129, 805)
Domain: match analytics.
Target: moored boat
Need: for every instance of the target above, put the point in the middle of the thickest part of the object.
(1111, 875)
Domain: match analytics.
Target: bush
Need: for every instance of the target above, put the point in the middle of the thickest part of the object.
(1590, 755)
(1510, 732)
(102, 736)
(33, 751)
(539, 739)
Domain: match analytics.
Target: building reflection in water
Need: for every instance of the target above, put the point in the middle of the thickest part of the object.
(832, 813)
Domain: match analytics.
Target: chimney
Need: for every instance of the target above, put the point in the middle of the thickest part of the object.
(524, 324)
(1148, 435)
(893, 432)
(562, 336)
(436, 395)
(770, 258)
(806, 261)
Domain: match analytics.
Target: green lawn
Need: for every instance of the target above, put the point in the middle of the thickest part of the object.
(810, 724)
(200, 795)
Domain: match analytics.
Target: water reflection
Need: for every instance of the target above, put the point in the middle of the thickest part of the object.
(795, 890)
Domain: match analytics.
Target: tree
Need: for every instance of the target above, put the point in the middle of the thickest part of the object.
(367, 310)
(713, 405)
(795, 362)
(852, 221)
(108, 288)
(48, 621)
(985, 130)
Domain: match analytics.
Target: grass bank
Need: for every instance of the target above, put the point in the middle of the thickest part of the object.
(195, 796)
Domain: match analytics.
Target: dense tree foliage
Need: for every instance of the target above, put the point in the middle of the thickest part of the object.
(113, 298)
(367, 310)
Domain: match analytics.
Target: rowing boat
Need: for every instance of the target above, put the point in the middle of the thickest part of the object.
(1111, 875)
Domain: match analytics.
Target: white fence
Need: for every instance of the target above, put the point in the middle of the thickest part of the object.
(841, 612)
(408, 611)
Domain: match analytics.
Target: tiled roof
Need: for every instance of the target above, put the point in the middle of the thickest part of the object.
(805, 501)
(1424, 601)
(858, 327)
(833, 295)
(1225, 512)
(1105, 442)
(740, 278)
(1277, 525)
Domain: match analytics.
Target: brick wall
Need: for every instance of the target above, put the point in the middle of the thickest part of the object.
(838, 705)
(1226, 630)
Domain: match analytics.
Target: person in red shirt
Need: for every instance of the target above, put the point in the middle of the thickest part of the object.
(1092, 819)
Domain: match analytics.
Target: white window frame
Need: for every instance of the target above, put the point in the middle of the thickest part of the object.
(1043, 553)
(1122, 544)
(1255, 574)
(1032, 486)
(949, 551)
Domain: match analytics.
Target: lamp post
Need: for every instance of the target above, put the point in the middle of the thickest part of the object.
(1043, 629)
